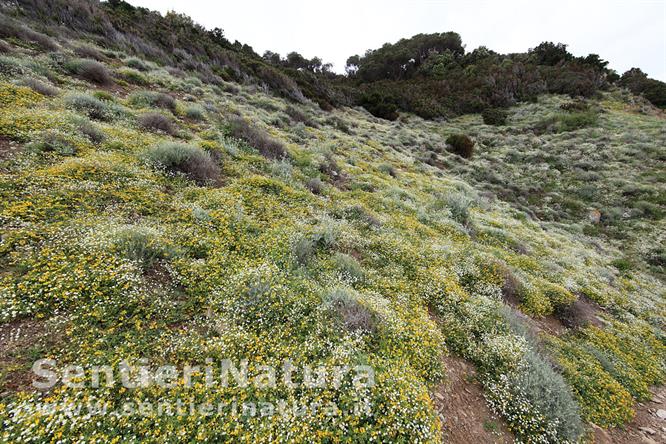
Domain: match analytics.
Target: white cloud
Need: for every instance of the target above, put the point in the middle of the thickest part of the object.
(627, 33)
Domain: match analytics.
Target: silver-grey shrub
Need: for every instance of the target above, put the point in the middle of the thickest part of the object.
(192, 161)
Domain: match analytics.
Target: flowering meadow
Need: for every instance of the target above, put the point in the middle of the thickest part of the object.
(156, 216)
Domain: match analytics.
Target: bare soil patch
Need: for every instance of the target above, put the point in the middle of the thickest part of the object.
(7, 148)
(463, 410)
(17, 340)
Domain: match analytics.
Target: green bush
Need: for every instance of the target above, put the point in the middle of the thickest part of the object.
(195, 112)
(298, 116)
(639, 83)
(139, 244)
(569, 121)
(304, 249)
(353, 315)
(136, 63)
(549, 393)
(91, 131)
(270, 148)
(157, 122)
(348, 268)
(461, 145)
(91, 106)
(189, 160)
(151, 98)
(360, 214)
(40, 87)
(90, 70)
(339, 124)
(576, 120)
(576, 105)
(315, 186)
(53, 142)
(11, 66)
(389, 169)
(494, 116)
(89, 52)
(104, 96)
(459, 205)
(380, 105)
(133, 76)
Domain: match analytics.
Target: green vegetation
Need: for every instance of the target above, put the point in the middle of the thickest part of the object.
(157, 122)
(494, 116)
(194, 162)
(190, 214)
(571, 121)
(461, 144)
(268, 147)
(90, 70)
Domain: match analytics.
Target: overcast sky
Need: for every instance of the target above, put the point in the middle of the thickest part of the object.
(626, 33)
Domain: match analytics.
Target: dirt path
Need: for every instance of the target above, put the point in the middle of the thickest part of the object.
(463, 410)
(17, 340)
(7, 148)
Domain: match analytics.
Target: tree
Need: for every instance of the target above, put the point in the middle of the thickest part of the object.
(595, 61)
(639, 83)
(296, 61)
(549, 53)
(217, 35)
(272, 57)
(352, 65)
(402, 60)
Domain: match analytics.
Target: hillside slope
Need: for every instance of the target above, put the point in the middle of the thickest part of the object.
(147, 214)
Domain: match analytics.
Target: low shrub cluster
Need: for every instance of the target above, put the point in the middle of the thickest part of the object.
(91, 131)
(315, 186)
(353, 315)
(348, 268)
(388, 169)
(53, 141)
(40, 87)
(575, 106)
(270, 148)
(133, 76)
(10, 28)
(298, 116)
(494, 116)
(195, 112)
(5, 48)
(459, 205)
(139, 243)
(137, 64)
(189, 160)
(89, 52)
(461, 145)
(90, 70)
(155, 121)
(152, 99)
(93, 107)
(569, 121)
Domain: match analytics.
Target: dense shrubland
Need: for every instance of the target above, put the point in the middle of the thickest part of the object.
(200, 214)
(430, 75)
